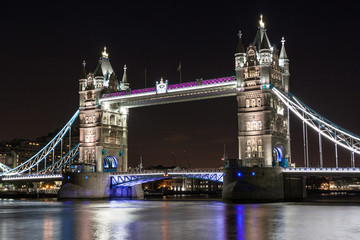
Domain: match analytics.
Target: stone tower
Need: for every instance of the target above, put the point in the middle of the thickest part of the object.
(263, 120)
(103, 126)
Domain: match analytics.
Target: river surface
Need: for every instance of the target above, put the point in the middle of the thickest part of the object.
(176, 219)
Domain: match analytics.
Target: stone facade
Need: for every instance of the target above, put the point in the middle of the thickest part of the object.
(103, 126)
(263, 120)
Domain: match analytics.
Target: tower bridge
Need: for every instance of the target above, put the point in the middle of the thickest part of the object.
(264, 168)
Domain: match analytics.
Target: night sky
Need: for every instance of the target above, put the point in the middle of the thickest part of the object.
(42, 46)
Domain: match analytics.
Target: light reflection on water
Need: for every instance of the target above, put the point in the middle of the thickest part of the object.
(131, 219)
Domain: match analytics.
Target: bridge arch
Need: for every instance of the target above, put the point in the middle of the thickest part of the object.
(110, 164)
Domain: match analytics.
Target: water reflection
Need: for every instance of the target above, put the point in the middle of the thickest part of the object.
(166, 220)
(240, 222)
(48, 227)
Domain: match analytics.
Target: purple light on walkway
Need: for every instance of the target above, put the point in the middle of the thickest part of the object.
(173, 86)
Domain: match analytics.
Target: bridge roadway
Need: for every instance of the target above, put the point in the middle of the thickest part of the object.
(181, 92)
(31, 177)
(134, 178)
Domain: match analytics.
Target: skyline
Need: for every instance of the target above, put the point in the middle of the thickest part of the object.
(204, 47)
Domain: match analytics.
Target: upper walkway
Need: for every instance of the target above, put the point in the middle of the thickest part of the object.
(181, 92)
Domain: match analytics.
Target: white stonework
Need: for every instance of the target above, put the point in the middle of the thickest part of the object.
(103, 126)
(263, 121)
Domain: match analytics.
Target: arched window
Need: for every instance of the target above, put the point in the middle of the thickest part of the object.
(112, 120)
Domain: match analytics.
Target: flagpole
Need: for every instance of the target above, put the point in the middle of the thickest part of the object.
(179, 69)
(145, 76)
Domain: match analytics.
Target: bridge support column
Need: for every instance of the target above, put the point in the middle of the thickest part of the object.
(256, 184)
(94, 186)
(85, 185)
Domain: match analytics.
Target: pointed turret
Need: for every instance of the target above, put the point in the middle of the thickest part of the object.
(124, 82)
(124, 79)
(240, 54)
(240, 47)
(240, 58)
(283, 54)
(284, 63)
(283, 59)
(83, 77)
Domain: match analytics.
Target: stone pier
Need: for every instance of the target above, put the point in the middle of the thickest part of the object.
(260, 184)
(94, 186)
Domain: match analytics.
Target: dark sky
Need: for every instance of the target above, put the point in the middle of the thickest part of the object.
(42, 47)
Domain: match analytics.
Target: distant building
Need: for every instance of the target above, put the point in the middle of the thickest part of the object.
(18, 151)
(23, 148)
(9, 158)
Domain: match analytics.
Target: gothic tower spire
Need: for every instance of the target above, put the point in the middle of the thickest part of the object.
(284, 63)
(124, 82)
(262, 120)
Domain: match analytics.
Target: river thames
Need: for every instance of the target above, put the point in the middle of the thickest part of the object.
(180, 219)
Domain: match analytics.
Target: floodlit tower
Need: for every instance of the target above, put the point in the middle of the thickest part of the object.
(263, 123)
(103, 126)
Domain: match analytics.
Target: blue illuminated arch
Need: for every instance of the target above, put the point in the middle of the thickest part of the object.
(110, 164)
(279, 153)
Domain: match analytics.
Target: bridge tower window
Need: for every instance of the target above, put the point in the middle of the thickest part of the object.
(253, 102)
(112, 120)
(259, 102)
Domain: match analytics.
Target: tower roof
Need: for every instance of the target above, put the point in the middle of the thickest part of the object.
(104, 67)
(260, 34)
(240, 46)
(265, 43)
(283, 54)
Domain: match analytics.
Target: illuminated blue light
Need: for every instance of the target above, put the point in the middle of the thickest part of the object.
(86, 177)
(68, 177)
(253, 173)
(239, 174)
